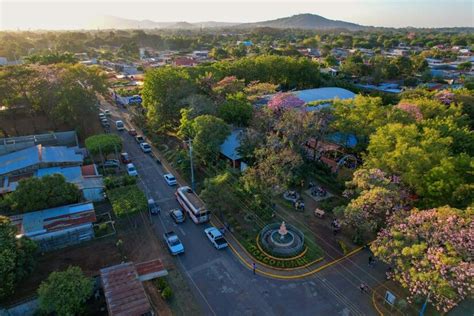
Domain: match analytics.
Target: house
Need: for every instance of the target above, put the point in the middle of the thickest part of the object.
(57, 227)
(30, 159)
(123, 289)
(321, 94)
(11, 144)
(39, 161)
(184, 62)
(229, 150)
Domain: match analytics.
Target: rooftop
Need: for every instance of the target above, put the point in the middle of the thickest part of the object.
(123, 291)
(231, 144)
(35, 155)
(54, 219)
(319, 94)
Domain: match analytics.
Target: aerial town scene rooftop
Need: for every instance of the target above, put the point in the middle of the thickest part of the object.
(236, 158)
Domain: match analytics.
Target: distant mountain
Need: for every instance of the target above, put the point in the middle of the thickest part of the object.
(300, 21)
(305, 21)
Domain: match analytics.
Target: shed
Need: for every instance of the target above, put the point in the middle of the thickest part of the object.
(123, 288)
(57, 227)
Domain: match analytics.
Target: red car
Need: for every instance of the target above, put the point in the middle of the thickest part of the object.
(125, 159)
(132, 132)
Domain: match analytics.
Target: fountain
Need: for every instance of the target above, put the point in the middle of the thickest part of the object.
(282, 240)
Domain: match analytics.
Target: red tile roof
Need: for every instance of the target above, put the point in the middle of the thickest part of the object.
(88, 170)
(148, 267)
(124, 293)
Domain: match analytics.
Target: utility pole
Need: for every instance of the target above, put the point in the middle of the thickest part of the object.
(423, 308)
(190, 145)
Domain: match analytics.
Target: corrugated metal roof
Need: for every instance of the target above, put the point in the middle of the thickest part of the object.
(19, 159)
(231, 144)
(124, 293)
(58, 218)
(72, 174)
(38, 154)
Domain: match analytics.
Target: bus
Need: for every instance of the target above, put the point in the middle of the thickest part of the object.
(192, 205)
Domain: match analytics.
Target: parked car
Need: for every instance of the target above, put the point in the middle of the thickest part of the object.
(111, 163)
(101, 116)
(132, 132)
(177, 215)
(174, 244)
(131, 170)
(119, 125)
(216, 237)
(153, 207)
(105, 122)
(107, 112)
(125, 158)
(146, 148)
(170, 179)
(139, 139)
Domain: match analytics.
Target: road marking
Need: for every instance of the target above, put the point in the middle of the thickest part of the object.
(182, 231)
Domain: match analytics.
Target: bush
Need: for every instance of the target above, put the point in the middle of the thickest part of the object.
(343, 246)
(167, 293)
(115, 182)
(127, 200)
(161, 284)
(103, 144)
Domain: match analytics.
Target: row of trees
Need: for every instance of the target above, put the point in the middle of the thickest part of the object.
(64, 93)
(380, 68)
(414, 189)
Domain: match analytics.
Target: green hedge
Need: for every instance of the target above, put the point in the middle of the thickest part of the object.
(127, 200)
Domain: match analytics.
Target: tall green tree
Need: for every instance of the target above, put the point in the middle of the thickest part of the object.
(34, 194)
(17, 257)
(66, 292)
(163, 94)
(208, 133)
(236, 109)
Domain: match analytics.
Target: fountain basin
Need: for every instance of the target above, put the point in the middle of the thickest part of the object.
(290, 243)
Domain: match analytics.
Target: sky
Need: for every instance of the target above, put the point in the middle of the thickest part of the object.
(76, 14)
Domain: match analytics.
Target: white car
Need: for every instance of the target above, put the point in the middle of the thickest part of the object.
(107, 112)
(170, 179)
(102, 116)
(119, 125)
(131, 170)
(215, 237)
(146, 148)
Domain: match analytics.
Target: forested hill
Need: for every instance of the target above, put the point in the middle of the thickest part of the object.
(305, 21)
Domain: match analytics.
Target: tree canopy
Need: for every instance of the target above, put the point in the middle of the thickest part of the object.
(66, 292)
(430, 252)
(34, 194)
(103, 144)
(17, 257)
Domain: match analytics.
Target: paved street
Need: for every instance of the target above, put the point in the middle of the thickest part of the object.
(223, 286)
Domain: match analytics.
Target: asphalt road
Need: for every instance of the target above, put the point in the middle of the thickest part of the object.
(223, 286)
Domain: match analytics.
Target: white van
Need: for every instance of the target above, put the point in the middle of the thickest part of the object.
(119, 125)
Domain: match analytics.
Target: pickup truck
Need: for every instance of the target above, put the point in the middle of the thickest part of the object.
(216, 237)
(174, 244)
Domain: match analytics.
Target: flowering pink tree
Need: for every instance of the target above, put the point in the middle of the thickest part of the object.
(445, 97)
(284, 101)
(412, 109)
(430, 252)
(376, 196)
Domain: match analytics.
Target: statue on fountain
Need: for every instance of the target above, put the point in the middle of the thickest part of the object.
(282, 231)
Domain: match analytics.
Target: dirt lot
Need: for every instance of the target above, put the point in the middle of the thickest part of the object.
(21, 124)
(90, 256)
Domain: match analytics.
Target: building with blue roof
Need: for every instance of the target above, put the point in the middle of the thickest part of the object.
(33, 158)
(57, 227)
(229, 150)
(40, 161)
